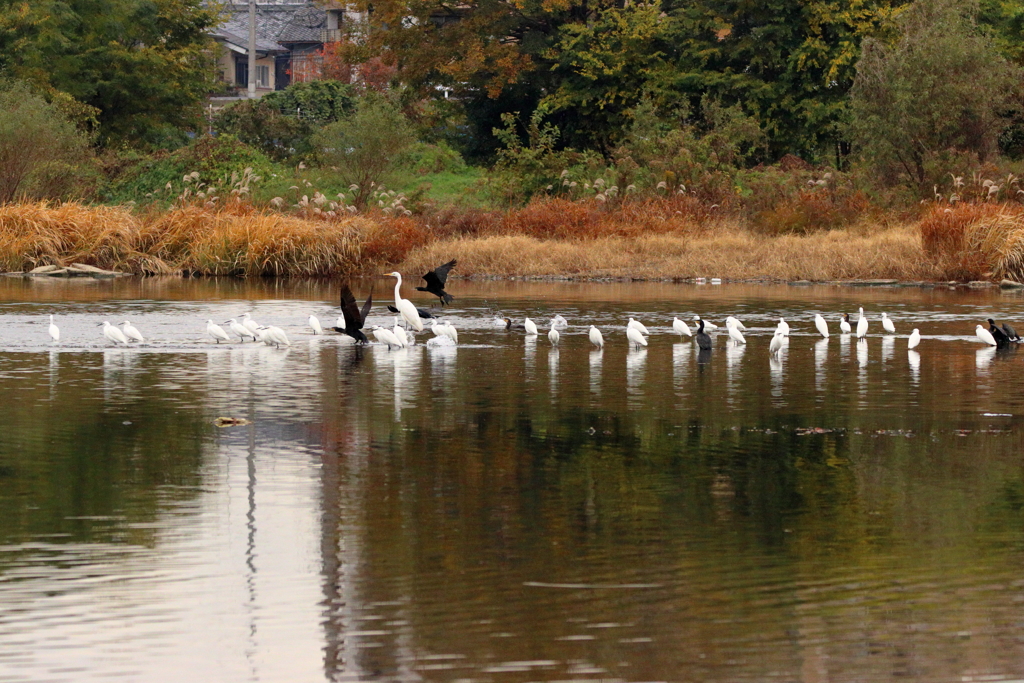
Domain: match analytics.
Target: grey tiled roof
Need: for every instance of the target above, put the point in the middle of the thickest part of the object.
(275, 25)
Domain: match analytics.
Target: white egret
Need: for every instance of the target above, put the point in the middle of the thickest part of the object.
(736, 335)
(887, 324)
(276, 336)
(560, 322)
(399, 334)
(596, 338)
(681, 327)
(240, 330)
(250, 324)
(862, 325)
(915, 339)
(54, 331)
(113, 334)
(451, 332)
(985, 336)
(635, 337)
(638, 326)
(711, 327)
(844, 324)
(734, 322)
(131, 332)
(782, 327)
(776, 344)
(386, 336)
(314, 322)
(702, 338)
(553, 335)
(531, 327)
(405, 307)
(822, 326)
(437, 328)
(217, 332)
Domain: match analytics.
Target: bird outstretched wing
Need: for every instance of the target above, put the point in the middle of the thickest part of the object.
(349, 309)
(366, 308)
(439, 275)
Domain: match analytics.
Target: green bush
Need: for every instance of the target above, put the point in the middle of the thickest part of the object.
(145, 178)
(281, 124)
(368, 147)
(42, 153)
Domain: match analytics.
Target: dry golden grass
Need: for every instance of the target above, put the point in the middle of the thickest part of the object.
(729, 253)
(974, 241)
(38, 233)
(643, 238)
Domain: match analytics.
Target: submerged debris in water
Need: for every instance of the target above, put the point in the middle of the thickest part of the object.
(230, 421)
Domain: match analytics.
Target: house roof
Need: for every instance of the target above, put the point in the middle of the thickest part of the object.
(277, 25)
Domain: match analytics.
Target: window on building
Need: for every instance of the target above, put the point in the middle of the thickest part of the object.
(262, 76)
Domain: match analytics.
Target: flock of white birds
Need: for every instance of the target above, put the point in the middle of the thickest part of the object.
(246, 328)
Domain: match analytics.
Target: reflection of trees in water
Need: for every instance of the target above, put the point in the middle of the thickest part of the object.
(441, 531)
(96, 440)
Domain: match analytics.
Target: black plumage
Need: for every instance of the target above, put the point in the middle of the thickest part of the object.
(1002, 339)
(436, 280)
(354, 317)
(509, 325)
(703, 338)
(1011, 333)
(423, 313)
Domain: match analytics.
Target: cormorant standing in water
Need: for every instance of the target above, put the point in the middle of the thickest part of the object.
(702, 337)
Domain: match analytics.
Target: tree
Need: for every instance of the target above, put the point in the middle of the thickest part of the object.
(367, 146)
(144, 64)
(282, 123)
(34, 138)
(941, 87)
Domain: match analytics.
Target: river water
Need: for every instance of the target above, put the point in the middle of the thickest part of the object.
(505, 511)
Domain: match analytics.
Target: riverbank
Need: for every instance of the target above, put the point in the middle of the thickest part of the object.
(644, 240)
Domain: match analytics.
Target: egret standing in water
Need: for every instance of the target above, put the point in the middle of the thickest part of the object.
(733, 326)
(405, 307)
(218, 333)
(862, 325)
(705, 324)
(984, 335)
(130, 332)
(915, 339)
(776, 344)
(54, 331)
(844, 324)
(400, 334)
(553, 335)
(530, 326)
(734, 322)
(250, 324)
(638, 326)
(113, 334)
(596, 338)
(783, 327)
(887, 324)
(822, 326)
(275, 336)
(681, 327)
(386, 336)
(635, 337)
(314, 323)
(702, 338)
(240, 330)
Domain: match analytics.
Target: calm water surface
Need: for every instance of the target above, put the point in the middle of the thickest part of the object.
(505, 511)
